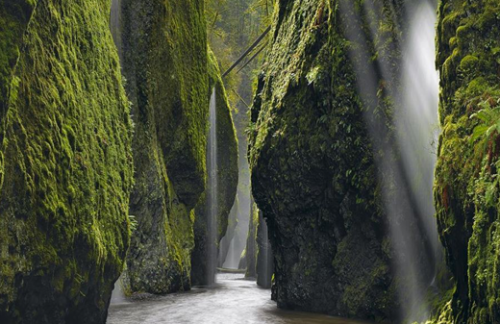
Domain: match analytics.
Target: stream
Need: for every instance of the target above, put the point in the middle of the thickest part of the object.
(234, 300)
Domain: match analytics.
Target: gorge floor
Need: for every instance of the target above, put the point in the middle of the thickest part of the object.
(234, 300)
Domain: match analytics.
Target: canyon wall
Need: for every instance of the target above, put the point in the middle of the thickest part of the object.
(325, 168)
(65, 162)
(165, 63)
(466, 185)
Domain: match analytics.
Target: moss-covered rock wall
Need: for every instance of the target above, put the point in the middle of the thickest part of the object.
(317, 144)
(227, 176)
(165, 63)
(65, 162)
(466, 185)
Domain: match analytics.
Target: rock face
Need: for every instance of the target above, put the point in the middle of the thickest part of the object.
(258, 258)
(251, 250)
(467, 188)
(315, 140)
(227, 177)
(65, 162)
(165, 64)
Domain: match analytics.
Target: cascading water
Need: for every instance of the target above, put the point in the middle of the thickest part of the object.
(407, 161)
(417, 122)
(212, 206)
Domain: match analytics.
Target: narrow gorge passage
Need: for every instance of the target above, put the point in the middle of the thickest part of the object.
(249, 161)
(233, 300)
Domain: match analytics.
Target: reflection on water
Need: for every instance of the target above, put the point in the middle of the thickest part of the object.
(233, 301)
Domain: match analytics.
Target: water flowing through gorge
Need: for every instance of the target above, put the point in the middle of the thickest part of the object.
(233, 300)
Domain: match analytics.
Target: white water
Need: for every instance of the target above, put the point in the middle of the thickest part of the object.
(232, 301)
(213, 209)
(118, 296)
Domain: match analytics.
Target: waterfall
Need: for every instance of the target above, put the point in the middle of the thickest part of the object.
(212, 206)
(407, 163)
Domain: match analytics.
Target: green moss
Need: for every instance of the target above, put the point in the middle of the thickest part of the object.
(469, 63)
(313, 160)
(466, 189)
(67, 161)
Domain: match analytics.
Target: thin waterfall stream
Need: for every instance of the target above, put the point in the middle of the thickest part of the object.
(212, 207)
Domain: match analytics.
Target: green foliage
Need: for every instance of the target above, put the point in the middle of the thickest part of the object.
(232, 26)
(466, 186)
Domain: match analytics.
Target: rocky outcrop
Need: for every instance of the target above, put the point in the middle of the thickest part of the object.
(165, 64)
(258, 259)
(466, 186)
(65, 162)
(227, 179)
(324, 164)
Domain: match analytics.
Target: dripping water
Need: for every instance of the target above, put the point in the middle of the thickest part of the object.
(212, 205)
